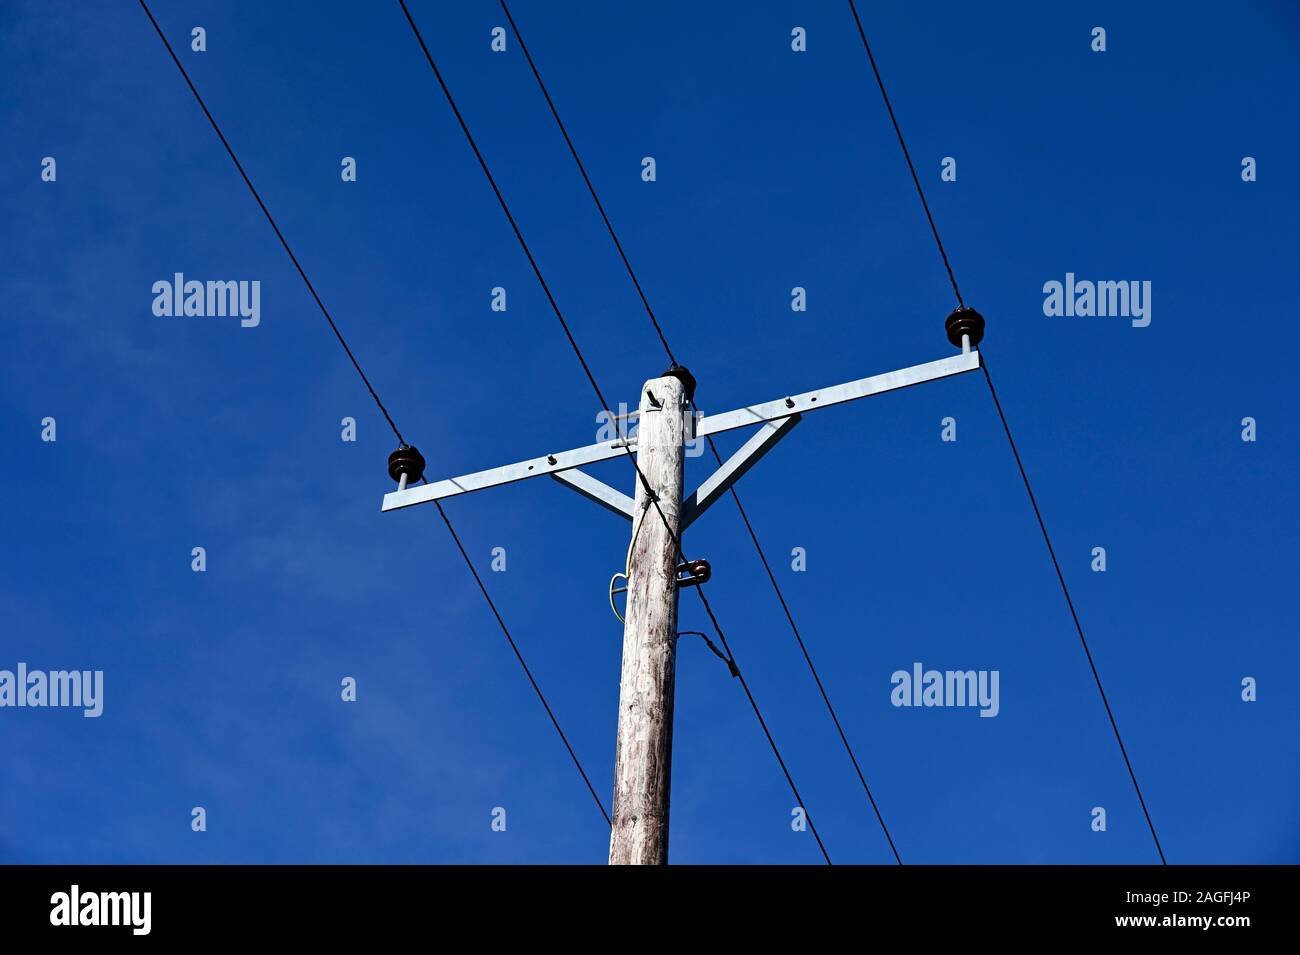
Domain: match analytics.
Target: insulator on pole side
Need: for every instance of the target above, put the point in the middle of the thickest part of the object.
(693, 572)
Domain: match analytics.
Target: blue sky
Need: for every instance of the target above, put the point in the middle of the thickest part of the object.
(775, 170)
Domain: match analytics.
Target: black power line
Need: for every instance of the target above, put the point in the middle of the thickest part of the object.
(631, 272)
(1010, 440)
(1070, 603)
(816, 677)
(590, 188)
(906, 155)
(555, 307)
(269, 218)
(339, 335)
(528, 254)
(749, 695)
(515, 647)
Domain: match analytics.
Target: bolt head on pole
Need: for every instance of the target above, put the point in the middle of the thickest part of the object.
(964, 321)
(685, 377)
(406, 460)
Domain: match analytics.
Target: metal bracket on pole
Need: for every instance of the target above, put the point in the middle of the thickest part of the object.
(598, 491)
(735, 467)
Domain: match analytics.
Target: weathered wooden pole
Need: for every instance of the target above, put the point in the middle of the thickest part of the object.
(643, 757)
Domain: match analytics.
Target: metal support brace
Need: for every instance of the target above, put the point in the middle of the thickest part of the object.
(735, 467)
(598, 491)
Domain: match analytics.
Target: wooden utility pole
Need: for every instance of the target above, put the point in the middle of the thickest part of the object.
(643, 756)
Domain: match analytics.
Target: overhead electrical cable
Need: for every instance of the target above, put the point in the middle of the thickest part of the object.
(1042, 526)
(339, 335)
(658, 328)
(555, 308)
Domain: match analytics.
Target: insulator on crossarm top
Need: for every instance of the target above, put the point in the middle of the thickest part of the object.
(685, 377)
(406, 465)
(964, 321)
